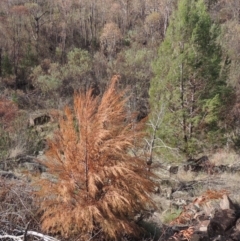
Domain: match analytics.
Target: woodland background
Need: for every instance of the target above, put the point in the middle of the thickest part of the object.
(51, 49)
(48, 50)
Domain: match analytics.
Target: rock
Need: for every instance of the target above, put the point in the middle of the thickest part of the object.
(235, 235)
(220, 238)
(222, 221)
(226, 203)
(173, 169)
(39, 118)
(223, 226)
(202, 226)
(237, 225)
(198, 165)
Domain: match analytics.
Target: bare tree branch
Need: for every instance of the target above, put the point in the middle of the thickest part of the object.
(33, 233)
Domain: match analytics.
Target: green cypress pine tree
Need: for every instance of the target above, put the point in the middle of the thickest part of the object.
(190, 81)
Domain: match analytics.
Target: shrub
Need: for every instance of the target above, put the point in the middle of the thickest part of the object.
(8, 112)
(16, 205)
(96, 185)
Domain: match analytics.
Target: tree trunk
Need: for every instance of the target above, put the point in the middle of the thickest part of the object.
(184, 123)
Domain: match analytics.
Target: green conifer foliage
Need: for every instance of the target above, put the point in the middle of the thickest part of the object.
(190, 81)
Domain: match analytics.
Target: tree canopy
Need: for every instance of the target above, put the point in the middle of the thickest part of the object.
(190, 81)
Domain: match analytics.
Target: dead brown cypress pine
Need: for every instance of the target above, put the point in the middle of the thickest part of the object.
(96, 183)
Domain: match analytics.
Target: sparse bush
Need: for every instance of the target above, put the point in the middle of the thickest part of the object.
(16, 206)
(47, 76)
(17, 139)
(4, 143)
(8, 112)
(97, 185)
(79, 63)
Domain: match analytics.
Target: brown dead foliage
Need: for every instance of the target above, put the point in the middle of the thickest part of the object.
(96, 185)
(185, 234)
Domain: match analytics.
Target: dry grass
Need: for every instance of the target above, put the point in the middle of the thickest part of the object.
(16, 206)
(185, 176)
(16, 151)
(188, 176)
(232, 178)
(223, 157)
(230, 181)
